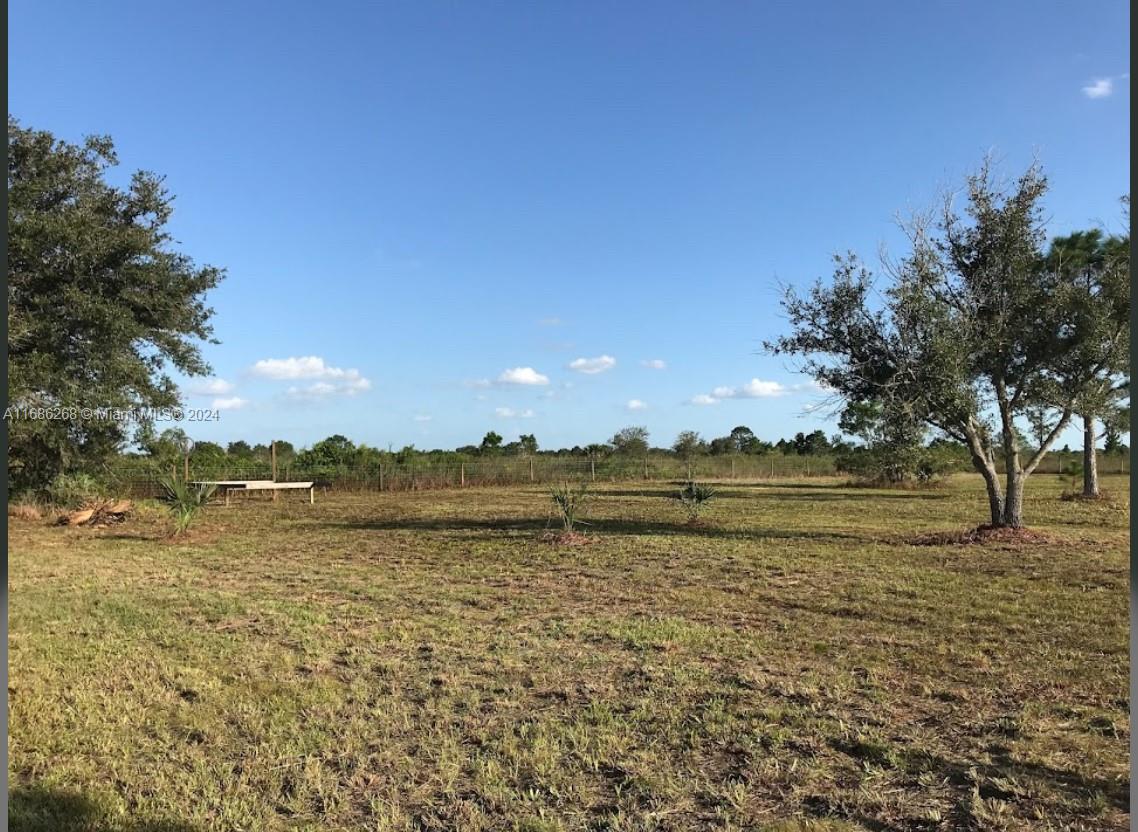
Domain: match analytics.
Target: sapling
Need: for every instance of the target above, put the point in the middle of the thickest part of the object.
(571, 502)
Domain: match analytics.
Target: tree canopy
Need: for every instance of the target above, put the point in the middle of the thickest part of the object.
(100, 305)
(971, 331)
(632, 441)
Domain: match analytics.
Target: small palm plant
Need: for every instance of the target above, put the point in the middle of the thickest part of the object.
(694, 497)
(571, 502)
(185, 500)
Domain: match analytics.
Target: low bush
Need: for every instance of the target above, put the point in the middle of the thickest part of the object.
(74, 490)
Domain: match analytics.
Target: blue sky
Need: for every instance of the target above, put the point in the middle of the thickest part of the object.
(421, 205)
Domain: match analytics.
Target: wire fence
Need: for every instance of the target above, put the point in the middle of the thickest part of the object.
(141, 477)
(143, 480)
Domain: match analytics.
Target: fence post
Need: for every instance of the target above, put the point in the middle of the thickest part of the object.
(689, 469)
(273, 457)
(592, 469)
(531, 469)
(732, 467)
(462, 474)
(381, 476)
(772, 467)
(186, 467)
(645, 467)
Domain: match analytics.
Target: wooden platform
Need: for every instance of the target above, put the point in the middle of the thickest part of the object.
(227, 486)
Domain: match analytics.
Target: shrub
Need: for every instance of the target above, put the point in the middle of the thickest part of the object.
(571, 502)
(694, 497)
(897, 465)
(74, 490)
(184, 500)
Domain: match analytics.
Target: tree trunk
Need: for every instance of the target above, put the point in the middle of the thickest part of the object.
(1013, 499)
(992, 483)
(1090, 458)
(980, 452)
(1014, 473)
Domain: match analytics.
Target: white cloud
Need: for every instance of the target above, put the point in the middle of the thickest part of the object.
(309, 366)
(326, 389)
(1099, 88)
(591, 366)
(211, 387)
(554, 321)
(522, 375)
(510, 413)
(654, 363)
(813, 386)
(759, 389)
(421, 418)
(330, 380)
(754, 389)
(356, 385)
(636, 404)
(232, 403)
(319, 390)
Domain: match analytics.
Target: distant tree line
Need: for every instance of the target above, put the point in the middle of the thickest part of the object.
(982, 344)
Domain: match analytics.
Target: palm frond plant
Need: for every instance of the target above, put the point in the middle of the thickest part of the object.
(694, 497)
(571, 502)
(185, 500)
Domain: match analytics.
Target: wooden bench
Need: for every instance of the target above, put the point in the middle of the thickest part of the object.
(226, 486)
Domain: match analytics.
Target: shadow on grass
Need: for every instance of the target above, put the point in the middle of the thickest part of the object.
(1004, 779)
(1009, 779)
(819, 493)
(593, 525)
(44, 809)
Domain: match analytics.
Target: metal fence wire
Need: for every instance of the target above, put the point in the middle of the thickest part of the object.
(140, 477)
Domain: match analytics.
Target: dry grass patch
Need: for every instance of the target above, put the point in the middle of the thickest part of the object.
(424, 661)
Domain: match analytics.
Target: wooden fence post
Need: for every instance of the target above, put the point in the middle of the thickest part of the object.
(462, 475)
(531, 469)
(273, 457)
(381, 476)
(592, 469)
(732, 467)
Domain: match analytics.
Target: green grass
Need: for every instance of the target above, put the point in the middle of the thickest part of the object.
(425, 661)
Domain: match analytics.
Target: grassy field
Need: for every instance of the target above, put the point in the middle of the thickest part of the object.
(424, 661)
